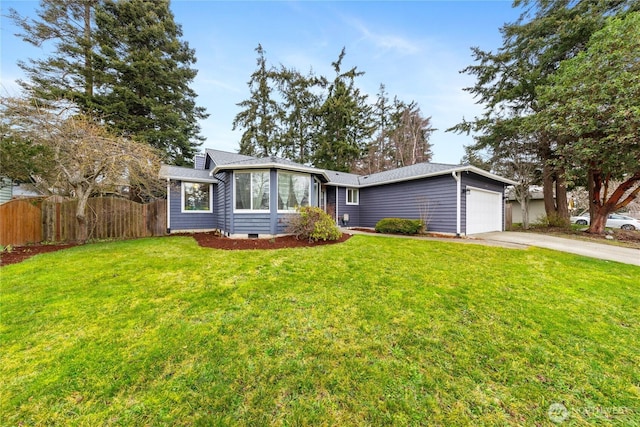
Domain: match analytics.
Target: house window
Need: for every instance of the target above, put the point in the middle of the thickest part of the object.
(293, 190)
(196, 197)
(252, 191)
(353, 196)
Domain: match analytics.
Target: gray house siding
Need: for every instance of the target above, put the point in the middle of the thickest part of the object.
(436, 197)
(251, 223)
(189, 221)
(283, 222)
(223, 209)
(352, 210)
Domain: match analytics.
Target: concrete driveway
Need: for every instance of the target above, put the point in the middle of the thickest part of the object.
(579, 247)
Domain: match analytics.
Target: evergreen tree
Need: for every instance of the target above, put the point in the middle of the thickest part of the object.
(68, 74)
(261, 114)
(409, 135)
(548, 32)
(590, 106)
(300, 103)
(346, 123)
(122, 62)
(145, 72)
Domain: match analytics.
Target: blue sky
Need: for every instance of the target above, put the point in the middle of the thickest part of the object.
(416, 48)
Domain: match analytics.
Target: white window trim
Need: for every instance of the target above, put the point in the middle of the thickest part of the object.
(183, 210)
(293, 173)
(346, 196)
(250, 211)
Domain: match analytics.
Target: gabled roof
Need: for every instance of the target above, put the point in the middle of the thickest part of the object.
(225, 157)
(186, 174)
(224, 160)
(424, 170)
(233, 161)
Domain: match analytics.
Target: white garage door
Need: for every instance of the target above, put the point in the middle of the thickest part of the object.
(484, 211)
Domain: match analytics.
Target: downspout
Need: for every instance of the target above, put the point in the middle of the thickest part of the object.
(337, 203)
(458, 201)
(168, 206)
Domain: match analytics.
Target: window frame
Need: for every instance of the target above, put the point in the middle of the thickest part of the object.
(355, 191)
(183, 198)
(309, 188)
(235, 190)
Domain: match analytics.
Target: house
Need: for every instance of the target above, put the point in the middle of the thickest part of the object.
(6, 189)
(536, 206)
(244, 196)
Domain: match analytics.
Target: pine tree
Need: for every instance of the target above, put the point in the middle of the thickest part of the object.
(346, 123)
(548, 32)
(122, 62)
(145, 70)
(68, 74)
(261, 114)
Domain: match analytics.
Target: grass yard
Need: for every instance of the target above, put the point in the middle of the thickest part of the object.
(373, 331)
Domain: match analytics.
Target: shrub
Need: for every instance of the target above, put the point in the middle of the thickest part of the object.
(399, 225)
(552, 222)
(313, 224)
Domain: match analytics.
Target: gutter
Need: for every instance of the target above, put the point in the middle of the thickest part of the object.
(458, 201)
(168, 206)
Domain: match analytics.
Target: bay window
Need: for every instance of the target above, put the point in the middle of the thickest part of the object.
(251, 191)
(293, 190)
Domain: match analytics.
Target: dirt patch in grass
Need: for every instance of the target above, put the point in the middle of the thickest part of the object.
(17, 254)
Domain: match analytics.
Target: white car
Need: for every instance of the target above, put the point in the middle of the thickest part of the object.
(613, 221)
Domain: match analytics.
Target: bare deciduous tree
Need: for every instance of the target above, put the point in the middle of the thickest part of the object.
(84, 159)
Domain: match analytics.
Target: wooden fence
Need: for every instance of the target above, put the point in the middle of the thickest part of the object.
(508, 216)
(20, 222)
(23, 222)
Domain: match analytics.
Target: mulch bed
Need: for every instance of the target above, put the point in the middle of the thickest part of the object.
(19, 253)
(208, 240)
(214, 240)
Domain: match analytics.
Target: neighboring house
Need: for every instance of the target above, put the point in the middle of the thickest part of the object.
(536, 206)
(9, 190)
(244, 196)
(6, 189)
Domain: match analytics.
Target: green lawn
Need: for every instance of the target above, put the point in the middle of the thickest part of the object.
(374, 331)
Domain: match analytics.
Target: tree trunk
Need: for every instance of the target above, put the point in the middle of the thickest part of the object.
(82, 232)
(562, 206)
(598, 221)
(525, 212)
(547, 191)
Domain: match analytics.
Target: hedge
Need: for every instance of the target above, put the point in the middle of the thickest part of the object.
(399, 226)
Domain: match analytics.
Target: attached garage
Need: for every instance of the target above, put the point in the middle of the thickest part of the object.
(484, 211)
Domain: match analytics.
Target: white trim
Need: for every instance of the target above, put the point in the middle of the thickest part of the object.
(233, 193)
(469, 187)
(190, 179)
(458, 201)
(185, 211)
(168, 204)
(269, 165)
(346, 196)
